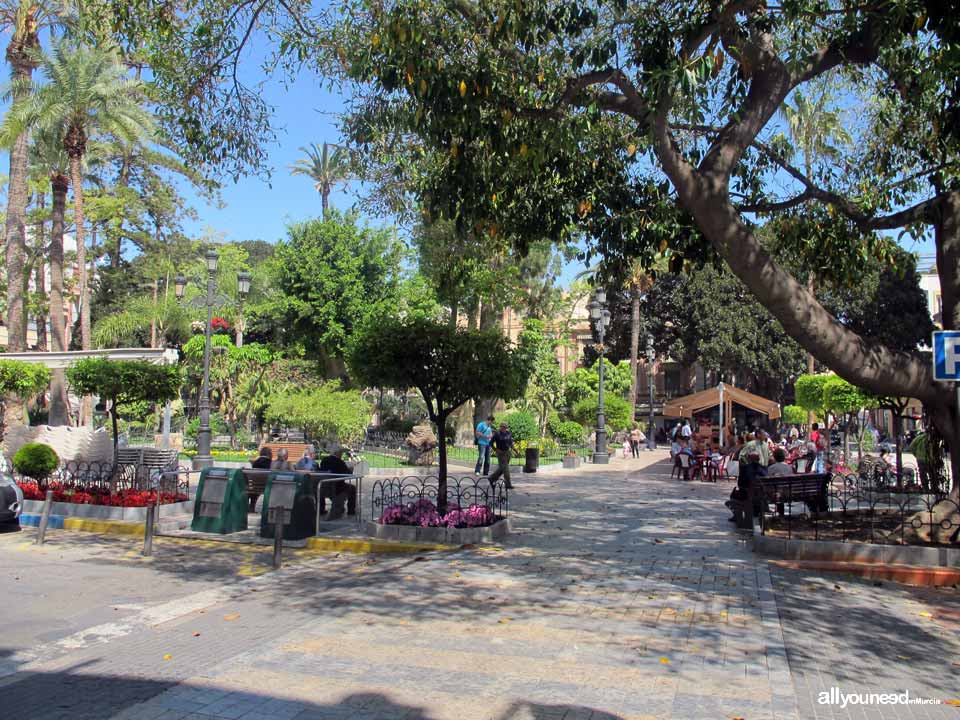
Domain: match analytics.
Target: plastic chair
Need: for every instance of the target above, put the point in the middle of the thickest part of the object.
(684, 461)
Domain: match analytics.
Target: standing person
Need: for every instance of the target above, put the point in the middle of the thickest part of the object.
(686, 432)
(502, 443)
(794, 434)
(636, 437)
(819, 441)
(483, 434)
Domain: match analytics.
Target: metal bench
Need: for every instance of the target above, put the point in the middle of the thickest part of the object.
(809, 488)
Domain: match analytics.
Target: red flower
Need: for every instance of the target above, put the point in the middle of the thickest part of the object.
(218, 324)
(122, 498)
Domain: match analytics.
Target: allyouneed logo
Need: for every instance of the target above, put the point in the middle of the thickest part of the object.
(835, 696)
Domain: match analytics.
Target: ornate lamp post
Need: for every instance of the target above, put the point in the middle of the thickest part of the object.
(243, 287)
(601, 319)
(651, 358)
(203, 458)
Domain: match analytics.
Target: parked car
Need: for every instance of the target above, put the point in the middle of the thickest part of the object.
(11, 500)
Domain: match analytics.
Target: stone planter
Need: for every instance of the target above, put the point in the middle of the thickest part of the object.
(440, 535)
(106, 512)
(572, 461)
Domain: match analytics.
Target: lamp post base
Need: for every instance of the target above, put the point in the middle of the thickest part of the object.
(601, 458)
(202, 461)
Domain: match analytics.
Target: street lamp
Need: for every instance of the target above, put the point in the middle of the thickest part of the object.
(243, 287)
(651, 358)
(601, 319)
(203, 458)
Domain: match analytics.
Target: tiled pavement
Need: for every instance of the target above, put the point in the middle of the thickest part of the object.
(622, 594)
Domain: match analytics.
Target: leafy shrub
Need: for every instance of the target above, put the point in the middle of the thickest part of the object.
(568, 432)
(522, 424)
(617, 410)
(218, 426)
(36, 460)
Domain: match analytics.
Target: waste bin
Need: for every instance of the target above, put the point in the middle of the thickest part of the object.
(290, 496)
(221, 504)
(532, 460)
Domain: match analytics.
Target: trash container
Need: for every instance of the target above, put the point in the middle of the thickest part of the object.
(290, 496)
(221, 503)
(532, 460)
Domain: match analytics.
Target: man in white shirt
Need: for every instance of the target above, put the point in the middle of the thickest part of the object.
(685, 431)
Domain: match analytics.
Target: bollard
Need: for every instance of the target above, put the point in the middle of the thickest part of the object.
(45, 517)
(277, 539)
(148, 531)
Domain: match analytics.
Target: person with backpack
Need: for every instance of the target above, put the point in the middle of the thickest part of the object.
(502, 442)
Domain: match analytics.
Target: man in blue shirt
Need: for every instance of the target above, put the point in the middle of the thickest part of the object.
(483, 434)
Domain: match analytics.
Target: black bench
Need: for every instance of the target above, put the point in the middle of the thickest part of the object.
(808, 488)
(761, 491)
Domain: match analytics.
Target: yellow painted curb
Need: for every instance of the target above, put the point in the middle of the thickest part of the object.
(356, 545)
(104, 527)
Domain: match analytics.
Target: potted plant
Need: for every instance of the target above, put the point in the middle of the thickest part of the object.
(571, 459)
(36, 461)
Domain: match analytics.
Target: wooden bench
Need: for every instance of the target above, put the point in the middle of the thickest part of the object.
(256, 481)
(294, 450)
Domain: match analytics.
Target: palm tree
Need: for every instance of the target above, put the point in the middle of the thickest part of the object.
(327, 166)
(22, 19)
(161, 315)
(812, 126)
(48, 156)
(87, 91)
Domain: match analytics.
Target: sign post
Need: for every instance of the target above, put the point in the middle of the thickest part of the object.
(946, 358)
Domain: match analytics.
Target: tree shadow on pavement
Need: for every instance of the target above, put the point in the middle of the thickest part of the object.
(80, 694)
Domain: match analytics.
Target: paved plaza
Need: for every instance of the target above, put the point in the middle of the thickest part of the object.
(621, 594)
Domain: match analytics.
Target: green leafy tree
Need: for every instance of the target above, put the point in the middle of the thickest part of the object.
(523, 425)
(325, 411)
(327, 165)
(617, 413)
(448, 366)
(683, 94)
(124, 382)
(584, 383)
(794, 415)
(567, 432)
(329, 276)
(37, 461)
(18, 381)
(842, 398)
(545, 388)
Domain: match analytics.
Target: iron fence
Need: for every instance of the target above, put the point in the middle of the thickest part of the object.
(423, 492)
(855, 508)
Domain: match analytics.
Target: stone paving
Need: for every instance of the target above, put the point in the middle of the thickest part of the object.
(622, 594)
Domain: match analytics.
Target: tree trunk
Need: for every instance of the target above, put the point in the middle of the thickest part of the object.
(18, 55)
(58, 414)
(440, 420)
(634, 351)
(489, 320)
(86, 403)
(324, 202)
(40, 276)
(811, 366)
(153, 320)
(116, 430)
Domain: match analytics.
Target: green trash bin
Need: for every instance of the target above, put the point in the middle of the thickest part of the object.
(293, 495)
(221, 502)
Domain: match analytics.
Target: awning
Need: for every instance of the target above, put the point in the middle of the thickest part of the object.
(690, 405)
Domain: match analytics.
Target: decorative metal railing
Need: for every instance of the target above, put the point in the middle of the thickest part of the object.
(391, 494)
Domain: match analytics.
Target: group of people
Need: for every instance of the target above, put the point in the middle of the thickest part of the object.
(500, 442)
(332, 463)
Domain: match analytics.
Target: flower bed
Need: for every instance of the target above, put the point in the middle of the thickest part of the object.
(121, 498)
(423, 513)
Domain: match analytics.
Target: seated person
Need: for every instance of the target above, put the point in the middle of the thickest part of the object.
(750, 469)
(779, 466)
(342, 490)
(282, 462)
(261, 462)
(308, 462)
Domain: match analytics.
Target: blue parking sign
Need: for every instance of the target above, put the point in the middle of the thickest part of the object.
(946, 355)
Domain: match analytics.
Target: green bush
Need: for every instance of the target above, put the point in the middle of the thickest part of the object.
(522, 424)
(218, 426)
(568, 433)
(36, 461)
(617, 410)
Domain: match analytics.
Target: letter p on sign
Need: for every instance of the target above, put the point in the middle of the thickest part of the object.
(946, 355)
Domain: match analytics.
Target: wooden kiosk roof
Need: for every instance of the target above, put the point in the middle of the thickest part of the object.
(689, 405)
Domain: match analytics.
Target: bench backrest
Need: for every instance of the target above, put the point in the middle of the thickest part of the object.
(294, 450)
(256, 479)
(785, 488)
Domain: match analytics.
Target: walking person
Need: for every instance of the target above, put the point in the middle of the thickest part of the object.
(502, 443)
(482, 436)
(636, 437)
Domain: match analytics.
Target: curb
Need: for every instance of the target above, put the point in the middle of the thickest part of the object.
(352, 545)
(906, 574)
(104, 527)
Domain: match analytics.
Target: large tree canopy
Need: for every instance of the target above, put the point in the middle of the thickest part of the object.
(540, 116)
